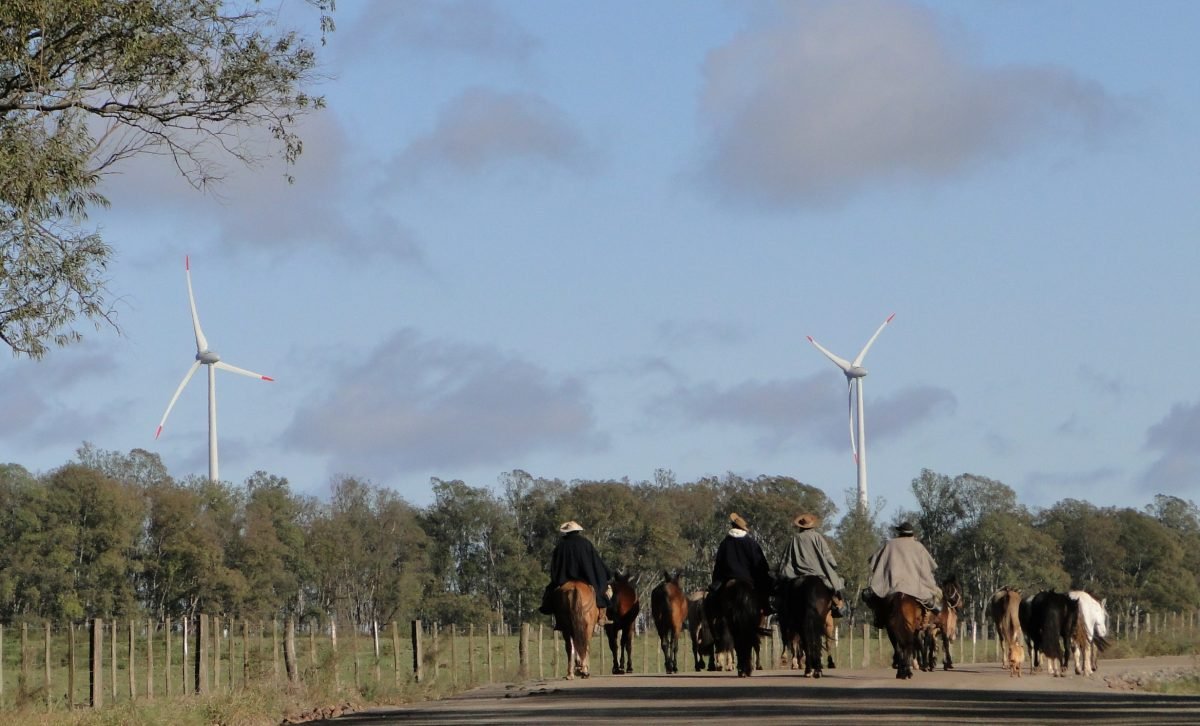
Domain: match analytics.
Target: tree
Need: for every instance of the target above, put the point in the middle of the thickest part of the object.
(88, 84)
(857, 536)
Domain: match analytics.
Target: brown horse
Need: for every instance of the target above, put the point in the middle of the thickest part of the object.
(942, 624)
(669, 609)
(576, 615)
(905, 617)
(623, 609)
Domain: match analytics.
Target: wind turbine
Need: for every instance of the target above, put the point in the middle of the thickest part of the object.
(854, 375)
(204, 356)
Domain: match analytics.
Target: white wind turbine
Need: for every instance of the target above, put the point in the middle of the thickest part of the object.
(207, 357)
(854, 375)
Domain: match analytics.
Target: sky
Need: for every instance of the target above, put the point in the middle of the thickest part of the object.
(588, 241)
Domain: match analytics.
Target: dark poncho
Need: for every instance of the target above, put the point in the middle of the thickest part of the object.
(575, 558)
(740, 558)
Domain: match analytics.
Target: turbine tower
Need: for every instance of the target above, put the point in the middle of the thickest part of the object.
(207, 357)
(854, 375)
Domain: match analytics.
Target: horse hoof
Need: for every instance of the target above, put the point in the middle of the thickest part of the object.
(816, 674)
(948, 667)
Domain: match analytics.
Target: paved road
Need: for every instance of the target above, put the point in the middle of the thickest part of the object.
(971, 694)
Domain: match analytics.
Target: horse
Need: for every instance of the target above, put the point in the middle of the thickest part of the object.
(706, 642)
(623, 609)
(1004, 610)
(806, 607)
(733, 611)
(1049, 619)
(576, 615)
(905, 617)
(669, 610)
(1091, 631)
(943, 623)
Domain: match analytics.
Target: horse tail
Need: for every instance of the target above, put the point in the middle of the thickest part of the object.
(813, 626)
(741, 619)
(1100, 642)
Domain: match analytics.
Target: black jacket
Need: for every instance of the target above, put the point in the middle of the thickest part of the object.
(575, 558)
(740, 558)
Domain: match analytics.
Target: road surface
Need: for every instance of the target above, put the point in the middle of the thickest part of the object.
(981, 693)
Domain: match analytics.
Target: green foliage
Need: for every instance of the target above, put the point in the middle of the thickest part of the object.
(88, 84)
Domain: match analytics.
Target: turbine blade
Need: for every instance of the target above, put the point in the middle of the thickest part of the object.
(863, 353)
(222, 365)
(191, 372)
(201, 341)
(839, 362)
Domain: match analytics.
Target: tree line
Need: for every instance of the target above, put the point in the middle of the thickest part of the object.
(114, 535)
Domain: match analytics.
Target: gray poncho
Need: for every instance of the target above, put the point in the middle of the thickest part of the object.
(810, 555)
(904, 565)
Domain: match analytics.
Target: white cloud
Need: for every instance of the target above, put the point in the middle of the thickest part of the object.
(1177, 468)
(414, 403)
(796, 409)
(471, 27)
(820, 100)
(482, 127)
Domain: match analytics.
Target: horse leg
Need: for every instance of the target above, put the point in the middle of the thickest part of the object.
(948, 662)
(610, 631)
(895, 647)
(569, 642)
(627, 647)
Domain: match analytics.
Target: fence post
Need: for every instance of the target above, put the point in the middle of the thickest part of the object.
(167, 655)
(471, 652)
(245, 653)
(275, 649)
(454, 653)
(522, 652)
(354, 652)
(1, 663)
(375, 640)
(24, 684)
(337, 661)
(132, 687)
(70, 665)
(183, 655)
(202, 654)
(216, 657)
(96, 668)
(396, 652)
(489, 652)
(416, 643)
(289, 651)
(49, 690)
(541, 670)
(112, 649)
(149, 658)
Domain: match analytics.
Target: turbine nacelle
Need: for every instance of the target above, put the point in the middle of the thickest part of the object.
(209, 357)
(855, 372)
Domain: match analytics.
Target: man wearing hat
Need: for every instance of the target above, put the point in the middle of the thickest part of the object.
(576, 558)
(902, 565)
(810, 555)
(739, 557)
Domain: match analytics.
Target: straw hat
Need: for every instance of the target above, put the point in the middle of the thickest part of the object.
(806, 521)
(569, 527)
(736, 520)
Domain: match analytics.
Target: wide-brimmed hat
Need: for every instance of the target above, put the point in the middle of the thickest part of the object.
(736, 520)
(806, 521)
(904, 529)
(568, 527)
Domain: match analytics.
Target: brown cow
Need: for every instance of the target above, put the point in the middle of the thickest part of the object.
(1004, 609)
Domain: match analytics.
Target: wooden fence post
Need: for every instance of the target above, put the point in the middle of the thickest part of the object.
(454, 654)
(489, 652)
(522, 652)
(289, 651)
(541, 670)
(130, 665)
(96, 668)
(354, 652)
(49, 690)
(375, 640)
(245, 653)
(70, 665)
(216, 656)
(396, 651)
(167, 655)
(337, 660)
(275, 650)
(471, 653)
(416, 643)
(24, 686)
(112, 650)
(202, 654)
(184, 687)
(149, 659)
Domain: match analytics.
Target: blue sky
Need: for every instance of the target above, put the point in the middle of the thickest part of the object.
(589, 240)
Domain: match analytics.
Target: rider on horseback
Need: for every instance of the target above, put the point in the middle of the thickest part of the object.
(902, 565)
(810, 555)
(576, 558)
(739, 557)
